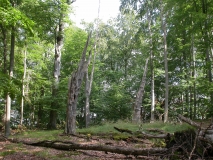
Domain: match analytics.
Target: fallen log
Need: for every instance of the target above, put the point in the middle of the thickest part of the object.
(156, 130)
(189, 121)
(123, 130)
(146, 135)
(67, 145)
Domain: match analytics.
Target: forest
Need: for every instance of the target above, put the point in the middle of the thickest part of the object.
(151, 63)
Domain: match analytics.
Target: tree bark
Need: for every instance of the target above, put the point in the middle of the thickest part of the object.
(23, 86)
(8, 103)
(139, 97)
(163, 23)
(149, 17)
(89, 81)
(73, 90)
(187, 120)
(87, 102)
(4, 39)
(5, 50)
(113, 149)
(59, 39)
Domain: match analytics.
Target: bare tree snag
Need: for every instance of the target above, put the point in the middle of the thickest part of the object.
(73, 90)
(64, 145)
(139, 97)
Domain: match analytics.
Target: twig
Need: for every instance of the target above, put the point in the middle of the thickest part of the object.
(195, 143)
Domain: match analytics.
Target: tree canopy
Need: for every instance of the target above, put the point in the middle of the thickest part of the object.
(175, 35)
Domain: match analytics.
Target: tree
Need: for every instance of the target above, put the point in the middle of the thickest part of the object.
(163, 23)
(59, 40)
(139, 97)
(14, 16)
(74, 85)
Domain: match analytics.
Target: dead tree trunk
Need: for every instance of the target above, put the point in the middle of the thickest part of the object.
(139, 97)
(97, 147)
(73, 90)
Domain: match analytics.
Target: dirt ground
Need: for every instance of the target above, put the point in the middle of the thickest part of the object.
(13, 151)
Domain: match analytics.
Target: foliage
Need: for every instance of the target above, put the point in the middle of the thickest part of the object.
(123, 45)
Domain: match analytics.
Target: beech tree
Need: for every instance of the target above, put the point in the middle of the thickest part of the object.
(14, 15)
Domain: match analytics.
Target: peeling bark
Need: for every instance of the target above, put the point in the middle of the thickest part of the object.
(73, 90)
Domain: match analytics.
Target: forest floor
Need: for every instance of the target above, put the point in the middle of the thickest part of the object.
(105, 135)
(13, 151)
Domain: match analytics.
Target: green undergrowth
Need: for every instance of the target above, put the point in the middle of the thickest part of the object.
(108, 128)
(46, 153)
(167, 127)
(105, 130)
(40, 135)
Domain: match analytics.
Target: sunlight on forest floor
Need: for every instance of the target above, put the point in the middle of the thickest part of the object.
(101, 134)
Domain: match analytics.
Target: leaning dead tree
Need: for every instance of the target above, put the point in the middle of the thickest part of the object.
(139, 97)
(74, 86)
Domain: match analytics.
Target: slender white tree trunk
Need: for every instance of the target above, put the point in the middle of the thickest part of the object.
(23, 86)
(149, 17)
(139, 97)
(89, 81)
(8, 103)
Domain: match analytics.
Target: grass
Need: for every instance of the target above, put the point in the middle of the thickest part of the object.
(104, 130)
(168, 127)
(109, 127)
(5, 153)
(40, 134)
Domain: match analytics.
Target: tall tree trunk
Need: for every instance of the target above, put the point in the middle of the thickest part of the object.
(40, 109)
(5, 50)
(194, 77)
(88, 88)
(8, 103)
(139, 97)
(59, 39)
(73, 90)
(163, 23)
(87, 105)
(149, 17)
(23, 86)
(4, 39)
(89, 82)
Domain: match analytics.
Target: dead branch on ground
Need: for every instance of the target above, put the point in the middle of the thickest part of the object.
(68, 145)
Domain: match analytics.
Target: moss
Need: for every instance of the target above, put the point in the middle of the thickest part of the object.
(5, 153)
(120, 137)
(158, 142)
